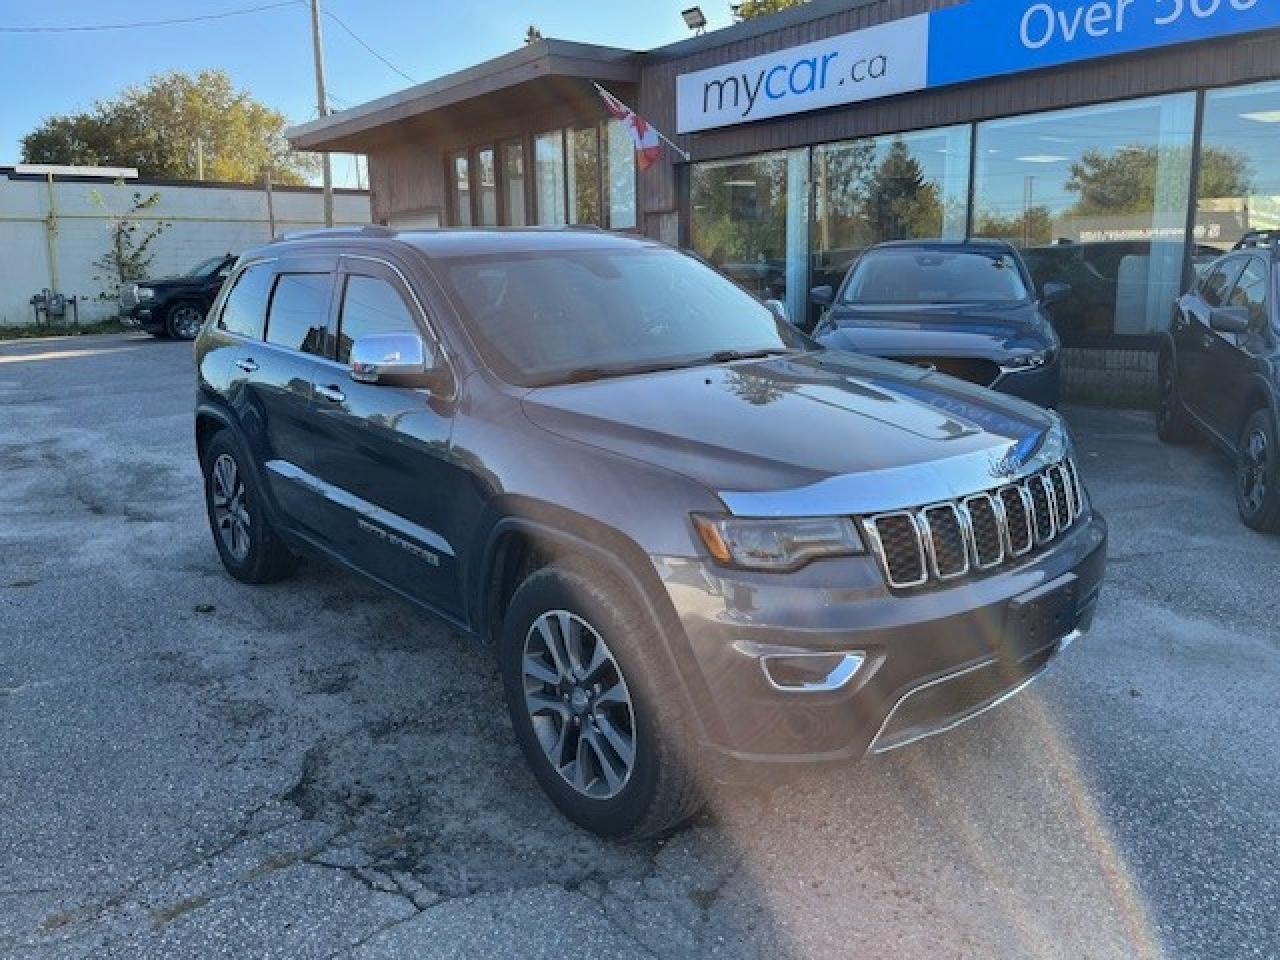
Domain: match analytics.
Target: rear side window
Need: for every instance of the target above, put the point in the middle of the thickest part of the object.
(245, 311)
(299, 312)
(371, 305)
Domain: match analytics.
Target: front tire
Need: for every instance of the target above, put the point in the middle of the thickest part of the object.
(1257, 474)
(184, 320)
(600, 721)
(247, 543)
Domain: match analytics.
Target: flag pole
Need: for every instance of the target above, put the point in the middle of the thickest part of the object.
(661, 136)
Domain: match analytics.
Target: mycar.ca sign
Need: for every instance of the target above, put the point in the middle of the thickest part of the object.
(983, 38)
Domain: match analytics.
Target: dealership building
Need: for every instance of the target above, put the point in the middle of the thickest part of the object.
(1121, 144)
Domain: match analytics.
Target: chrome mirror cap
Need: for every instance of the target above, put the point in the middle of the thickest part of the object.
(379, 357)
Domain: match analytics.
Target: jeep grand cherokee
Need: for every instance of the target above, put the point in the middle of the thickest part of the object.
(691, 535)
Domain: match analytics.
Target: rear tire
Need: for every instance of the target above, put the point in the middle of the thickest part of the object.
(1257, 473)
(250, 549)
(574, 646)
(1173, 424)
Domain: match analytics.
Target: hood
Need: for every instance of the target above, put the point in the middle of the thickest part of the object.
(992, 332)
(786, 423)
(174, 282)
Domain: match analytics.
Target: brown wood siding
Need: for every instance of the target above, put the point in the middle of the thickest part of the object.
(1207, 64)
(407, 164)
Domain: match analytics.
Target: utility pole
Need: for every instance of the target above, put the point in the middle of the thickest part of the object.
(199, 158)
(321, 107)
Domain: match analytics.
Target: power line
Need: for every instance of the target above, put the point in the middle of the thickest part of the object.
(152, 23)
(356, 37)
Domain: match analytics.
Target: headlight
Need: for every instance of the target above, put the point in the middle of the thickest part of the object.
(1024, 361)
(145, 293)
(777, 545)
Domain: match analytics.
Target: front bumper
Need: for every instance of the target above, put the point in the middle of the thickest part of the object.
(144, 315)
(930, 659)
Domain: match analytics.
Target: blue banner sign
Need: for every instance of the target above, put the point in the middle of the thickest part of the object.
(989, 38)
(960, 44)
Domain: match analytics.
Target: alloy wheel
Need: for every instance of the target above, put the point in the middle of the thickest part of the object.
(186, 322)
(230, 515)
(1254, 460)
(578, 704)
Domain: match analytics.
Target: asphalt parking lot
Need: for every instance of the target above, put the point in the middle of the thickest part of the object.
(190, 767)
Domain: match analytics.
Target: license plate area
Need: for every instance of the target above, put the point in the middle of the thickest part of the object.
(1040, 618)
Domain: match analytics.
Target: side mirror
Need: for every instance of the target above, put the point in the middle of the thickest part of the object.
(822, 296)
(1054, 291)
(1229, 319)
(396, 358)
(778, 309)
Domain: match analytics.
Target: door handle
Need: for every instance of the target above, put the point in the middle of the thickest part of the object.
(247, 364)
(332, 394)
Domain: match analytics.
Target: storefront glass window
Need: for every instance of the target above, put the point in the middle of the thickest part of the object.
(584, 176)
(1239, 185)
(619, 176)
(513, 182)
(904, 187)
(1097, 198)
(461, 190)
(749, 217)
(548, 159)
(487, 174)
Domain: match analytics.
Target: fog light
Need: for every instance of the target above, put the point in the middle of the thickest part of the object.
(811, 672)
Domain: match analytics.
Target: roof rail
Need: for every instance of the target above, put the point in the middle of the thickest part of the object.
(368, 230)
(1257, 239)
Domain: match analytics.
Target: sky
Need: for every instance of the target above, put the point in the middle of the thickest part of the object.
(268, 53)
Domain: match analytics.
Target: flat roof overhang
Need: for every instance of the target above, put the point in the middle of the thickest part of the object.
(535, 77)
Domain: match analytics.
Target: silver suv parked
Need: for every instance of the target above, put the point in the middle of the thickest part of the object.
(690, 534)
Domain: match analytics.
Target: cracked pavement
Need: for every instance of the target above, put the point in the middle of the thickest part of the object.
(190, 767)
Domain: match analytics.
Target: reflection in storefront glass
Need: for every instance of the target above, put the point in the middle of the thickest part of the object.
(584, 176)
(619, 176)
(739, 221)
(488, 187)
(905, 187)
(1097, 198)
(513, 179)
(548, 162)
(461, 190)
(1239, 185)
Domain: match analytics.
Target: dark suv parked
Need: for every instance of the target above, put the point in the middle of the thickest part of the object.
(176, 306)
(965, 308)
(689, 533)
(1220, 371)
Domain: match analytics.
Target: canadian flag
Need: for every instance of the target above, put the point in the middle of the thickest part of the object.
(647, 142)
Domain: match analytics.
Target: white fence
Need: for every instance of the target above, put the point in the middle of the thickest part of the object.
(51, 236)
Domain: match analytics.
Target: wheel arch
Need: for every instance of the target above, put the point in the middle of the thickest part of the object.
(211, 419)
(525, 535)
(1259, 395)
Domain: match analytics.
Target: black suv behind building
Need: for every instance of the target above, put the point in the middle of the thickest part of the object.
(176, 306)
(690, 533)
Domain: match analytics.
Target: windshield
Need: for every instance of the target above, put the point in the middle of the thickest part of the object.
(205, 267)
(562, 315)
(925, 276)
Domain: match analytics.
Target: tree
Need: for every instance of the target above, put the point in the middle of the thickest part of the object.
(130, 254)
(1124, 180)
(162, 128)
(749, 9)
(900, 202)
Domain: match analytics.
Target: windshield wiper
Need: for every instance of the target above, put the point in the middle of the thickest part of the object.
(729, 356)
(587, 374)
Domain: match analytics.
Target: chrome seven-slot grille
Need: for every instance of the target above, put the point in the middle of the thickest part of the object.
(943, 541)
